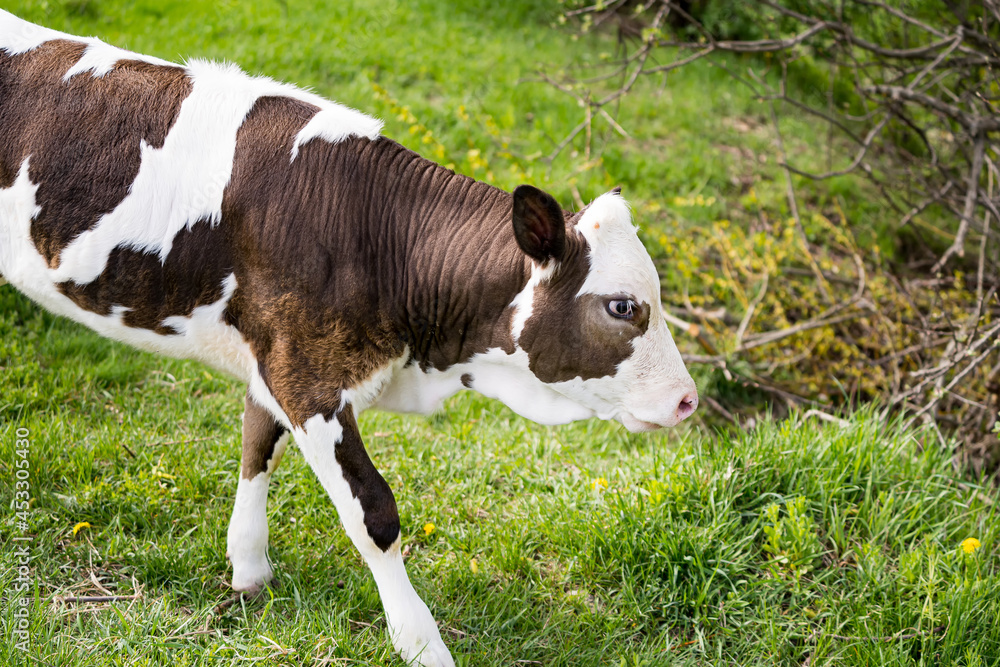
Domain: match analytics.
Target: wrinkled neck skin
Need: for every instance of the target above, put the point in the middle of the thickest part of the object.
(419, 264)
(444, 271)
(457, 267)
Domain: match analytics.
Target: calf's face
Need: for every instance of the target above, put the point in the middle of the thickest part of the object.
(590, 319)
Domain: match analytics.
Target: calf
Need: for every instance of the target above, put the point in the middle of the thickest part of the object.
(274, 235)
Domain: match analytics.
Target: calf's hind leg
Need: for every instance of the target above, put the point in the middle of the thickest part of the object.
(264, 441)
(367, 509)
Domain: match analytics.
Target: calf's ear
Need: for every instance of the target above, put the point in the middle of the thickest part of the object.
(539, 225)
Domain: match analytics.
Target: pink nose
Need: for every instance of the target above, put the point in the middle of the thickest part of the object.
(687, 406)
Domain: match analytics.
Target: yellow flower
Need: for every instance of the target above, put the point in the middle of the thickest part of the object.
(970, 544)
(474, 566)
(83, 524)
(600, 484)
(428, 528)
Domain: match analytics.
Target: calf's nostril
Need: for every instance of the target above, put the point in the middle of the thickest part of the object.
(687, 407)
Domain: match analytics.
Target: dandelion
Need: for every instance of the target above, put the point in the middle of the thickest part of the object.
(970, 544)
(428, 528)
(83, 524)
(600, 484)
(474, 566)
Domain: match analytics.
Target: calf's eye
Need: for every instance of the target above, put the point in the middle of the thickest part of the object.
(623, 309)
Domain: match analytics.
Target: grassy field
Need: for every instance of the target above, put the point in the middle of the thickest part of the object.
(793, 543)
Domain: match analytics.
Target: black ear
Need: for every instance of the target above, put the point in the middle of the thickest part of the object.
(539, 225)
(617, 190)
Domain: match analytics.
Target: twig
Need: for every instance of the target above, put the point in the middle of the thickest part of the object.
(715, 405)
(986, 234)
(887, 638)
(192, 633)
(955, 380)
(179, 442)
(691, 329)
(792, 201)
(973, 124)
(745, 322)
(825, 416)
(97, 598)
(958, 247)
(93, 579)
(920, 208)
(774, 336)
(858, 157)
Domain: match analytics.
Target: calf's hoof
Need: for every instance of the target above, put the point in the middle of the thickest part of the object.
(435, 654)
(251, 578)
(422, 652)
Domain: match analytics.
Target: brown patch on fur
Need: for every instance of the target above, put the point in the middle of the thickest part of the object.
(467, 380)
(569, 336)
(356, 251)
(83, 135)
(152, 290)
(260, 434)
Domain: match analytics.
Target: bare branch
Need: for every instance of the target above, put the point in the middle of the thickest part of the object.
(958, 247)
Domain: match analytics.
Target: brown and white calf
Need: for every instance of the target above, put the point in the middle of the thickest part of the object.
(274, 235)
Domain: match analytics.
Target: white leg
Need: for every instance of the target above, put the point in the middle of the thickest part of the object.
(264, 443)
(247, 537)
(367, 509)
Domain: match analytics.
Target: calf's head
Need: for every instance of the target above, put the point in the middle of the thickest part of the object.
(590, 320)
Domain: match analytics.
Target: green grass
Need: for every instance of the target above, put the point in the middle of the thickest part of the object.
(592, 546)
(791, 542)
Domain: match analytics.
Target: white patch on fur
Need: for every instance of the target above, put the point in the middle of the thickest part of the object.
(19, 36)
(618, 260)
(496, 374)
(365, 394)
(335, 123)
(411, 626)
(17, 208)
(178, 184)
(279, 452)
(412, 390)
(523, 303)
(262, 396)
(101, 58)
(508, 378)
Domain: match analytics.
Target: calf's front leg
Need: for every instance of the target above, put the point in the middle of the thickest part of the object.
(264, 441)
(334, 449)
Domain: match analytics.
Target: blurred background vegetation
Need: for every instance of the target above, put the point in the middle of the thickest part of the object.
(852, 256)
